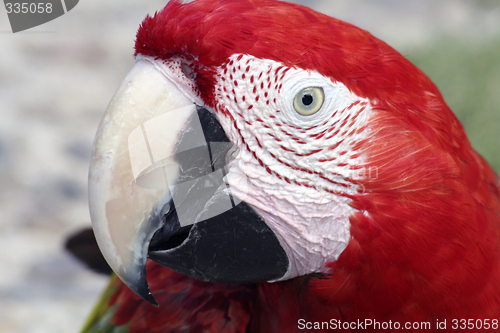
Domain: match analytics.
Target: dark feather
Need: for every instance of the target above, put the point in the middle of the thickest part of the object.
(83, 246)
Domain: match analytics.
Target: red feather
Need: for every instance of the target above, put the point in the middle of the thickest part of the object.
(185, 304)
(211, 31)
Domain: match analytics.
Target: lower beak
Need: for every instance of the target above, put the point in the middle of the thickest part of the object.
(156, 188)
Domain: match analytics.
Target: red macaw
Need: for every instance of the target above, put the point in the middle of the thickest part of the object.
(285, 172)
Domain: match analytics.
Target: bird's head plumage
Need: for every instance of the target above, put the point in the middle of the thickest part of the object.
(344, 151)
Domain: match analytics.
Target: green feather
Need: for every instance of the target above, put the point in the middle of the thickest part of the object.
(99, 320)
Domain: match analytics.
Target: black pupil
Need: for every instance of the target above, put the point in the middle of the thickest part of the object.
(307, 100)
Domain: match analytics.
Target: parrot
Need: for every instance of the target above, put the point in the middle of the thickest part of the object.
(267, 168)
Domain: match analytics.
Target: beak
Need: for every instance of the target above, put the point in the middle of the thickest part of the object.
(157, 190)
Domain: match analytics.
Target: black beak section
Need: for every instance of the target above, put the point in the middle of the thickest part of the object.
(234, 247)
(208, 234)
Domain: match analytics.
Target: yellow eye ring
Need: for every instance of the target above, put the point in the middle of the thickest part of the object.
(308, 101)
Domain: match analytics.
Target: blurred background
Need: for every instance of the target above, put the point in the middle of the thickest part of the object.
(57, 79)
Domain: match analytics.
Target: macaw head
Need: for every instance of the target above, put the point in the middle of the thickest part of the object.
(256, 140)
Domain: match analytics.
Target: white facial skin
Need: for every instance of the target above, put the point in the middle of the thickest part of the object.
(293, 169)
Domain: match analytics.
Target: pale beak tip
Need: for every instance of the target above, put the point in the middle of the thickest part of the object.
(149, 298)
(141, 288)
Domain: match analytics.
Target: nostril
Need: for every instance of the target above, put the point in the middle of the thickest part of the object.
(188, 71)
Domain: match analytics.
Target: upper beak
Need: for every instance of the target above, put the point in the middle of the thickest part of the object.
(156, 188)
(129, 140)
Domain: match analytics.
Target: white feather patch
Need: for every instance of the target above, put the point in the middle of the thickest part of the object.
(294, 170)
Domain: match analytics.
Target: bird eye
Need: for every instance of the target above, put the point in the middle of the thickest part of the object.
(308, 101)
